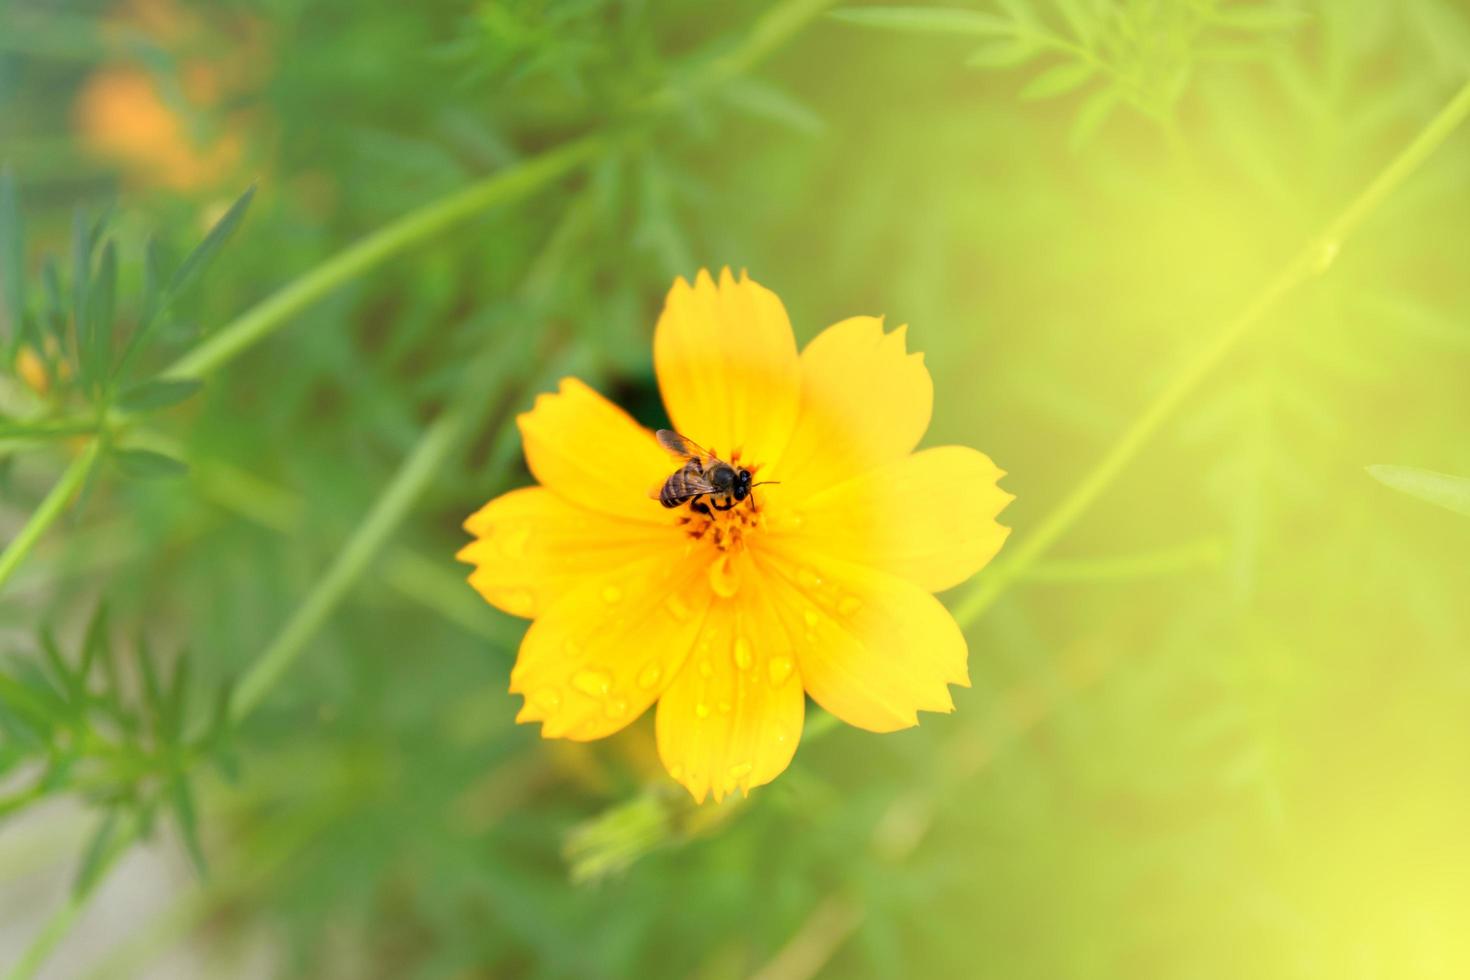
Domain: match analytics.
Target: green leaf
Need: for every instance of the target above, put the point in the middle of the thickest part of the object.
(144, 464)
(94, 646)
(766, 102)
(152, 692)
(178, 694)
(928, 20)
(199, 259)
(159, 393)
(94, 858)
(12, 258)
(1058, 80)
(1003, 54)
(188, 819)
(81, 272)
(1090, 118)
(68, 682)
(1449, 492)
(100, 308)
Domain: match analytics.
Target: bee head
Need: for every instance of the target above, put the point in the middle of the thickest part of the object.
(741, 489)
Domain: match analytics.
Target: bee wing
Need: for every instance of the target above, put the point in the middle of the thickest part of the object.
(678, 445)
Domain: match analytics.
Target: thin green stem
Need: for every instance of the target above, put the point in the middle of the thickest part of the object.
(50, 509)
(61, 921)
(1313, 259)
(412, 229)
(442, 438)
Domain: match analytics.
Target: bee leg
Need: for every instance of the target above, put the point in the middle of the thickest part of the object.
(729, 505)
(699, 507)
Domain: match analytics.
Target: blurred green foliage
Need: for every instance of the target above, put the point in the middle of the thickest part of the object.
(1221, 732)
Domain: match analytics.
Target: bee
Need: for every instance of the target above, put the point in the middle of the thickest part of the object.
(703, 475)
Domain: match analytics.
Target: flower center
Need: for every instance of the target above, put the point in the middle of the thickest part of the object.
(724, 520)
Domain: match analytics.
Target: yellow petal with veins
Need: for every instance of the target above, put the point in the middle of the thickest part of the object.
(873, 649)
(727, 366)
(585, 449)
(598, 656)
(732, 717)
(929, 517)
(532, 547)
(865, 401)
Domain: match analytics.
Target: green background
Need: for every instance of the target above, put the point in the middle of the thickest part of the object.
(1219, 722)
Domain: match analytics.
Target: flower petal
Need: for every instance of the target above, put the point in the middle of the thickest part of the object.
(727, 365)
(875, 648)
(532, 547)
(587, 450)
(732, 717)
(600, 654)
(929, 517)
(864, 402)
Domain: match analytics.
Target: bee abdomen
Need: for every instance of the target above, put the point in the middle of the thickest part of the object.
(683, 485)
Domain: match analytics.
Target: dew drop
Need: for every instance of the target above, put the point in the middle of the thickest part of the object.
(812, 617)
(611, 594)
(740, 770)
(649, 676)
(724, 578)
(743, 658)
(676, 607)
(849, 604)
(677, 771)
(780, 669)
(724, 707)
(808, 579)
(592, 682)
(701, 710)
(706, 669)
(547, 698)
(616, 708)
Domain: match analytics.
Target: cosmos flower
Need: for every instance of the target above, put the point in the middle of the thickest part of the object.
(728, 611)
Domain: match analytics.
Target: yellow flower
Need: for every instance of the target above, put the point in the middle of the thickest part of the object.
(819, 583)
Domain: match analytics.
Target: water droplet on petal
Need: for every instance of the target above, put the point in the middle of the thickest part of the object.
(706, 669)
(616, 708)
(592, 682)
(611, 594)
(808, 578)
(780, 669)
(701, 710)
(724, 707)
(676, 607)
(743, 657)
(547, 698)
(740, 770)
(724, 578)
(677, 771)
(812, 617)
(649, 676)
(849, 605)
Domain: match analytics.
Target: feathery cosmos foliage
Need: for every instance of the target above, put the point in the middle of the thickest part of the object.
(278, 280)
